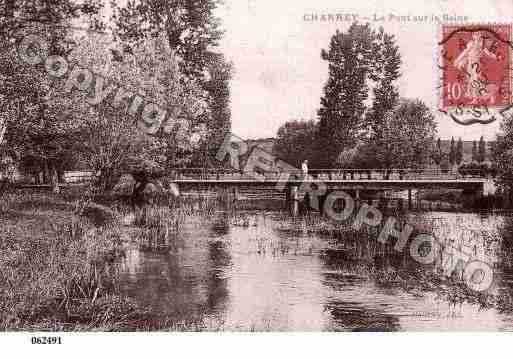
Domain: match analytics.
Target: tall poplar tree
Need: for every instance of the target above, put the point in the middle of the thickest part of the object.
(437, 152)
(474, 152)
(459, 152)
(359, 59)
(481, 152)
(452, 153)
(342, 109)
(385, 71)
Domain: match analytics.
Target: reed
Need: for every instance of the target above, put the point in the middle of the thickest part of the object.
(61, 276)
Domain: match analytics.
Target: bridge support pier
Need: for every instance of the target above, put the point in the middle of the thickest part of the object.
(293, 200)
(409, 199)
(382, 201)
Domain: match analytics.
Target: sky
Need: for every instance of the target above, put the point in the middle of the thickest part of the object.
(275, 47)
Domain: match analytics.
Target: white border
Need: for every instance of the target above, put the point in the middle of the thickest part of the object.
(262, 345)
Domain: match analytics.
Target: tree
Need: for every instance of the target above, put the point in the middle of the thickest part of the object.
(459, 152)
(190, 27)
(342, 106)
(219, 121)
(19, 15)
(438, 153)
(452, 153)
(193, 32)
(294, 142)
(34, 125)
(359, 59)
(502, 155)
(408, 134)
(112, 143)
(481, 154)
(385, 71)
(474, 151)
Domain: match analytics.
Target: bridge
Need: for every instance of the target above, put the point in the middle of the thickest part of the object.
(378, 179)
(364, 184)
(360, 183)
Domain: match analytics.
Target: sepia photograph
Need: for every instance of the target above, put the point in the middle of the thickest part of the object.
(251, 166)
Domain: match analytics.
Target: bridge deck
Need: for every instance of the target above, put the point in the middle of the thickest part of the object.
(235, 181)
(472, 183)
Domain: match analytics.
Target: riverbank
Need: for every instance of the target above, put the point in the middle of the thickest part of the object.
(60, 260)
(57, 268)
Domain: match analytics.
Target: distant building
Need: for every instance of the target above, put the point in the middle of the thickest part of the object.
(267, 144)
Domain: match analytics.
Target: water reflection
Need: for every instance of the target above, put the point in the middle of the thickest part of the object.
(251, 273)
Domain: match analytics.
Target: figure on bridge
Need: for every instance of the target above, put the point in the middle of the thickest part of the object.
(304, 168)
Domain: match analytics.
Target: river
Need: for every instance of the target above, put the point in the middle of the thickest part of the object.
(254, 274)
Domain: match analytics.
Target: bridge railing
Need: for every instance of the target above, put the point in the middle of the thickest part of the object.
(392, 174)
(327, 174)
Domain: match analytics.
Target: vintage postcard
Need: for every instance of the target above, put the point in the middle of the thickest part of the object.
(255, 166)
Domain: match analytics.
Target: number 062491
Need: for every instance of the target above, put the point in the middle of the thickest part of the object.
(45, 340)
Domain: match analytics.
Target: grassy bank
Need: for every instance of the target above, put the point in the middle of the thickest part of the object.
(456, 199)
(59, 254)
(57, 271)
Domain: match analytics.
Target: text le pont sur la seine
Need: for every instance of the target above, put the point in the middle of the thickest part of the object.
(391, 17)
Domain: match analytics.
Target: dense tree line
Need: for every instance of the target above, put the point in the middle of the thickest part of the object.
(166, 50)
(389, 132)
(502, 155)
(37, 132)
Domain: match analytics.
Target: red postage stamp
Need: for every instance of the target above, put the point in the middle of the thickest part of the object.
(475, 64)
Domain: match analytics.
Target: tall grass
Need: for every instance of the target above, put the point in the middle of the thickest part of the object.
(160, 222)
(358, 251)
(58, 271)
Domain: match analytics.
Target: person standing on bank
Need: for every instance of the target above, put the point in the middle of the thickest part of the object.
(304, 168)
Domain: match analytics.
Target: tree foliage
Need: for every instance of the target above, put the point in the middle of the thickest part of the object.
(342, 107)
(33, 111)
(294, 142)
(359, 59)
(459, 152)
(437, 152)
(502, 154)
(190, 26)
(385, 71)
(407, 136)
(192, 31)
(452, 153)
(481, 152)
(112, 143)
(474, 151)
(50, 129)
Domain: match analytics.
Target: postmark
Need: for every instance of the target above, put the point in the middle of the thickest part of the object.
(475, 65)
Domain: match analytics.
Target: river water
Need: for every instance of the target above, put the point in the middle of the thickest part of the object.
(255, 274)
